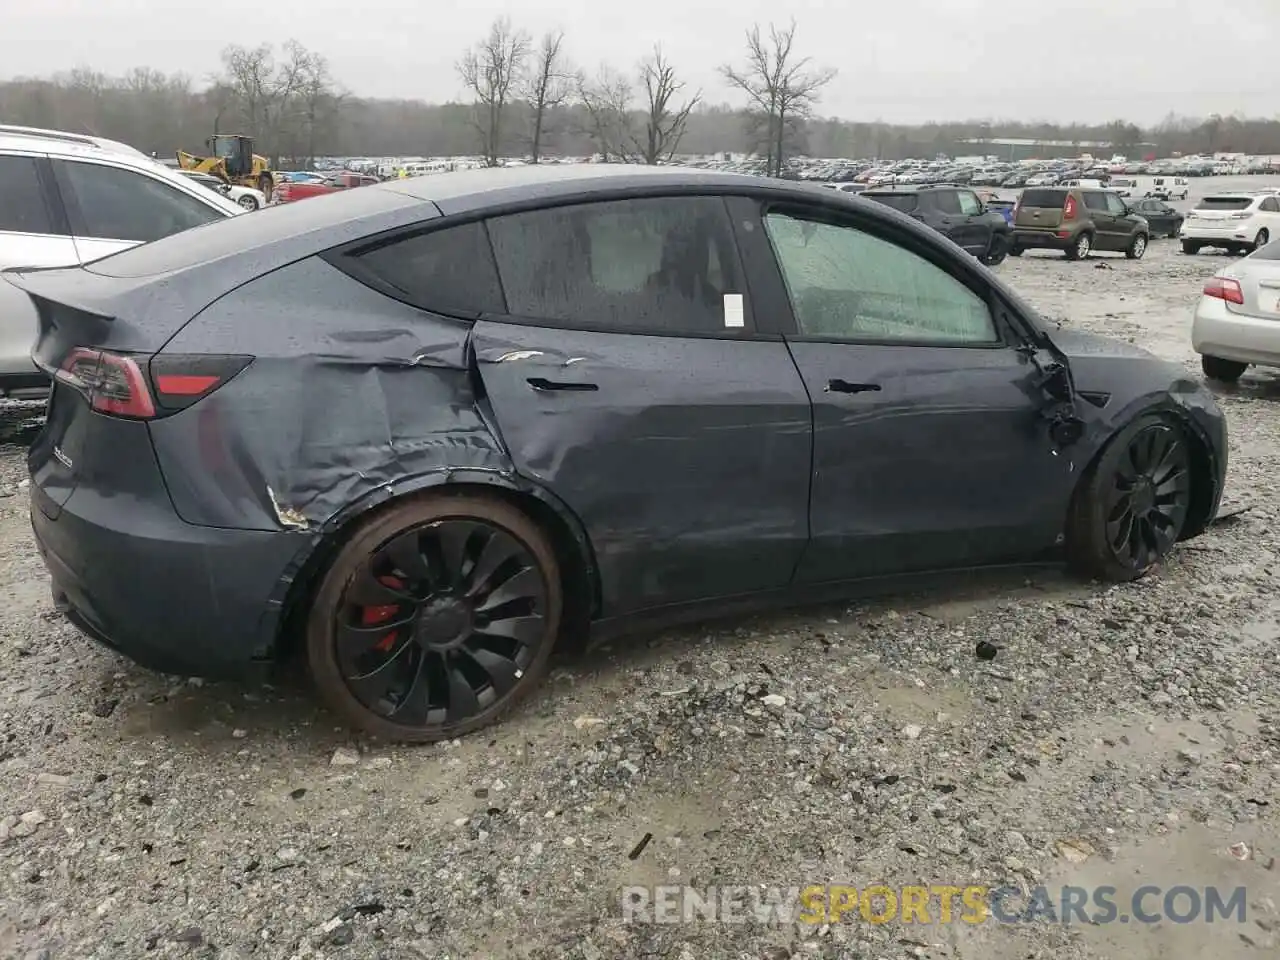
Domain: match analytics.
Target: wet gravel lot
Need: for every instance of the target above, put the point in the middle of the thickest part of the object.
(1120, 735)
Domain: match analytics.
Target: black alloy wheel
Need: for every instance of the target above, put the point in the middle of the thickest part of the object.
(1133, 505)
(435, 619)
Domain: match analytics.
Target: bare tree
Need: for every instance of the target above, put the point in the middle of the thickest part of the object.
(607, 101)
(781, 89)
(490, 71)
(250, 74)
(548, 86)
(648, 132)
(664, 122)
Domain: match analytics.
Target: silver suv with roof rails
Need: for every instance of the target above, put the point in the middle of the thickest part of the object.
(67, 199)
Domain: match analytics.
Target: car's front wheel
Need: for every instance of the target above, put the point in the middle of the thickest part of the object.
(1137, 247)
(248, 202)
(1224, 371)
(996, 252)
(1132, 504)
(435, 618)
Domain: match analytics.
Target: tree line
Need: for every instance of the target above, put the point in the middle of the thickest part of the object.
(527, 97)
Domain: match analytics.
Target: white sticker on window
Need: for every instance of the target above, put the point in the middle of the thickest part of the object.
(734, 316)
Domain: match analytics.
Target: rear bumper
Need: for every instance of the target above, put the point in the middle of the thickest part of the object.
(1210, 236)
(1028, 239)
(1217, 332)
(173, 597)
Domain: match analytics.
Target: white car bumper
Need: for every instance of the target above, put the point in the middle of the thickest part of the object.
(1227, 233)
(1217, 332)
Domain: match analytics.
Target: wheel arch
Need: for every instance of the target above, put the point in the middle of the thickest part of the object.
(578, 569)
(1204, 492)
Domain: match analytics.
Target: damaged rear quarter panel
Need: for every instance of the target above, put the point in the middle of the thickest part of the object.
(359, 395)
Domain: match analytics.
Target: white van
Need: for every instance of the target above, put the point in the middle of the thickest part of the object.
(1086, 184)
(1169, 188)
(1124, 186)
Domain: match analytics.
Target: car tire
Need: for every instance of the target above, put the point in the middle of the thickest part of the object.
(1132, 505)
(996, 253)
(1262, 239)
(248, 202)
(1015, 251)
(1190, 247)
(1137, 247)
(1175, 230)
(1081, 247)
(1223, 371)
(435, 617)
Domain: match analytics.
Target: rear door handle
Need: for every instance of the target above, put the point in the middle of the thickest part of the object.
(541, 383)
(844, 386)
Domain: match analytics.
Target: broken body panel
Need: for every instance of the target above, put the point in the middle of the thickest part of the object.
(683, 470)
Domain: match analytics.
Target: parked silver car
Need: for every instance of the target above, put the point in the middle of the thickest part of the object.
(66, 199)
(1237, 321)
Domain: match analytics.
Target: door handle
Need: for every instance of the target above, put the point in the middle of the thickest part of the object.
(543, 384)
(844, 386)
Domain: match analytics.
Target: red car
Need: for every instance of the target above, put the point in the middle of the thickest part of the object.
(287, 191)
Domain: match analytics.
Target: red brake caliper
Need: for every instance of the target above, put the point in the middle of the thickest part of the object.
(372, 616)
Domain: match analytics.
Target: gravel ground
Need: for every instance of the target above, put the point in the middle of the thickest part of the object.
(1119, 735)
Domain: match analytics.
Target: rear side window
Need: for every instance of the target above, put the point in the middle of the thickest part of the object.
(22, 206)
(1050, 199)
(946, 200)
(112, 203)
(447, 271)
(662, 265)
(1224, 203)
(906, 202)
(1095, 200)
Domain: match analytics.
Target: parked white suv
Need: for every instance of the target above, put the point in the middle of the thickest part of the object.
(66, 199)
(1238, 222)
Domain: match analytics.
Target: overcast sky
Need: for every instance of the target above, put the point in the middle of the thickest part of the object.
(898, 60)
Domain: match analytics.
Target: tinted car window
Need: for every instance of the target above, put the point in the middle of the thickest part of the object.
(1052, 199)
(116, 204)
(969, 204)
(849, 285)
(662, 265)
(946, 201)
(906, 202)
(1095, 200)
(1224, 203)
(448, 271)
(1115, 204)
(1270, 205)
(22, 206)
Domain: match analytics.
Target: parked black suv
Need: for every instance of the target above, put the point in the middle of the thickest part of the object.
(956, 212)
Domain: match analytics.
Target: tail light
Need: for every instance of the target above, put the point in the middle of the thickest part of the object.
(1241, 216)
(117, 384)
(1224, 288)
(1069, 208)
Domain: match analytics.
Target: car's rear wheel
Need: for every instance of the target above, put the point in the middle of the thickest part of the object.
(1224, 371)
(1081, 247)
(1137, 247)
(435, 618)
(1190, 246)
(1262, 239)
(1132, 505)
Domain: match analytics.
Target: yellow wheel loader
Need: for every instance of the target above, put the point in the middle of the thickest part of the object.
(231, 160)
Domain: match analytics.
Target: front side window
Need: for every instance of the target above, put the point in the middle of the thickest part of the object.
(947, 201)
(969, 204)
(664, 265)
(117, 204)
(1115, 204)
(846, 284)
(22, 204)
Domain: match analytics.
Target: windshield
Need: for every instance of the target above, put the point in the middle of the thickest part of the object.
(225, 147)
